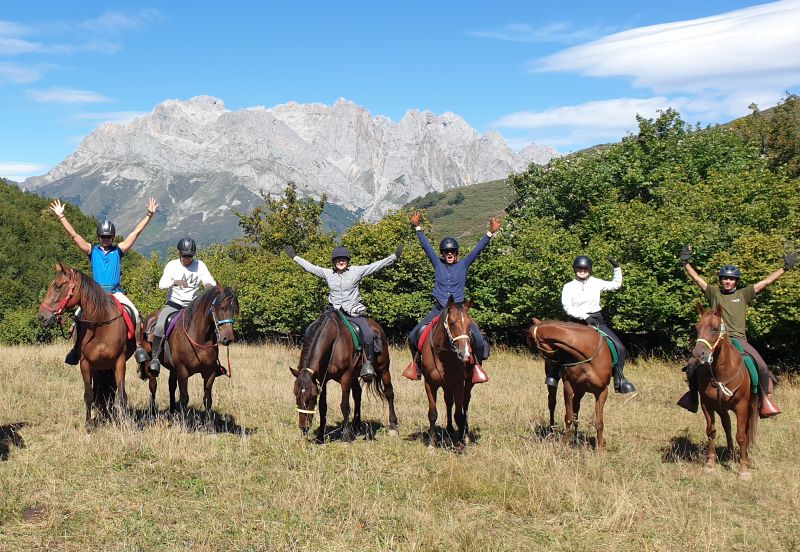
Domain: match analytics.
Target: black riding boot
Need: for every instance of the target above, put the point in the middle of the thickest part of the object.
(155, 365)
(622, 385)
(367, 371)
(74, 355)
(552, 375)
(691, 399)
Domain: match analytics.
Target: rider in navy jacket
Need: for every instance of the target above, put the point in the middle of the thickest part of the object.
(450, 279)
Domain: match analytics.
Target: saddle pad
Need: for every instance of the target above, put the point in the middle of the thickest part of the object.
(611, 347)
(172, 325)
(350, 327)
(426, 331)
(125, 316)
(750, 363)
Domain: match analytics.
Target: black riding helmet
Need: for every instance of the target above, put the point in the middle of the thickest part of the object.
(582, 261)
(730, 271)
(340, 252)
(448, 244)
(106, 228)
(187, 246)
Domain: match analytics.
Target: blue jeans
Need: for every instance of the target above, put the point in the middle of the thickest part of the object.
(481, 345)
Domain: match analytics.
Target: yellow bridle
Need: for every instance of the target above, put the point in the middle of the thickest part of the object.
(722, 334)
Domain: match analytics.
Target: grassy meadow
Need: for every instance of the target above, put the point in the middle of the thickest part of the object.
(257, 485)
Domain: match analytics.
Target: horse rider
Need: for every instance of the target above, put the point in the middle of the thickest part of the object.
(580, 298)
(450, 278)
(343, 293)
(106, 261)
(182, 277)
(734, 301)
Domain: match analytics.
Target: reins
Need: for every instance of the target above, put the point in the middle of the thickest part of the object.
(215, 338)
(721, 386)
(553, 351)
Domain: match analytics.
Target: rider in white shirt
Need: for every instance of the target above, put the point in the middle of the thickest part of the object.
(581, 301)
(182, 277)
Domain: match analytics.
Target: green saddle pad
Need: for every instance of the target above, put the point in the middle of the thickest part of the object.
(350, 327)
(611, 347)
(750, 363)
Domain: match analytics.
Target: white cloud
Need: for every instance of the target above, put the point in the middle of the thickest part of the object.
(117, 21)
(119, 117)
(61, 94)
(560, 32)
(19, 171)
(18, 74)
(733, 49)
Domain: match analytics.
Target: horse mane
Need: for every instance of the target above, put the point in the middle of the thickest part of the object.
(314, 335)
(95, 294)
(200, 303)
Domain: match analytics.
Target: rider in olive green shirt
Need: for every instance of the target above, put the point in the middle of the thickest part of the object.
(733, 303)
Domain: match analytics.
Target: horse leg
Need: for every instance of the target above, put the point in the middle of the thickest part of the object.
(448, 401)
(323, 414)
(711, 433)
(569, 414)
(577, 397)
(461, 419)
(183, 388)
(119, 378)
(208, 383)
(347, 430)
(355, 388)
(551, 405)
(173, 385)
(153, 385)
(742, 411)
(467, 398)
(430, 391)
(388, 392)
(599, 404)
(88, 392)
(725, 419)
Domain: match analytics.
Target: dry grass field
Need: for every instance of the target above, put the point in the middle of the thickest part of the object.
(257, 485)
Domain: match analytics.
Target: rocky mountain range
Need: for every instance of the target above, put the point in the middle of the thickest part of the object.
(201, 160)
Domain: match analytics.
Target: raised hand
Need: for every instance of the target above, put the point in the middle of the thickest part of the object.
(57, 207)
(290, 251)
(398, 252)
(789, 260)
(152, 205)
(613, 261)
(686, 254)
(416, 218)
(494, 224)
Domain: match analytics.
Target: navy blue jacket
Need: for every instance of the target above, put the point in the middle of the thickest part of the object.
(450, 279)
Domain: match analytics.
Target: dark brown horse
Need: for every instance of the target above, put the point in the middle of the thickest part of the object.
(446, 361)
(724, 384)
(328, 354)
(103, 334)
(582, 354)
(193, 346)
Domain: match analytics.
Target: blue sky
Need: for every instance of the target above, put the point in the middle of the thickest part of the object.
(567, 74)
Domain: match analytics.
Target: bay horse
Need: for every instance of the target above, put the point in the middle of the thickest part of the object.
(329, 354)
(447, 361)
(192, 347)
(724, 384)
(103, 337)
(582, 354)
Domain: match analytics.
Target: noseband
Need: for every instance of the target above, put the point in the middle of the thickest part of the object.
(712, 348)
(64, 303)
(218, 323)
(453, 339)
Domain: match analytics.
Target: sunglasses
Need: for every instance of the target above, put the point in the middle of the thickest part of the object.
(450, 252)
(106, 237)
(187, 256)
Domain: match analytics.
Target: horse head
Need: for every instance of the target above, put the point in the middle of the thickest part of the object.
(306, 393)
(63, 294)
(710, 332)
(224, 311)
(457, 323)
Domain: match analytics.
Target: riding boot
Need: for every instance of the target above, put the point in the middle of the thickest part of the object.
(768, 409)
(691, 399)
(478, 374)
(367, 371)
(622, 385)
(552, 376)
(412, 371)
(140, 354)
(155, 365)
(74, 355)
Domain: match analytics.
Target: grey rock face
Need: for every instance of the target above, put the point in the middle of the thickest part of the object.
(201, 160)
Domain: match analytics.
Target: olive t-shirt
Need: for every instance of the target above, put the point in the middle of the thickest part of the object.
(734, 307)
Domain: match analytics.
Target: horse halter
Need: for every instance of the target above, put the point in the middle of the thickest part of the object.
(712, 348)
(64, 303)
(301, 410)
(454, 339)
(218, 323)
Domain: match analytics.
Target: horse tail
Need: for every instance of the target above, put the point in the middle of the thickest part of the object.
(752, 421)
(375, 387)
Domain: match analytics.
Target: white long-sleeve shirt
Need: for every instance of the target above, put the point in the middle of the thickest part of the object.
(579, 298)
(196, 274)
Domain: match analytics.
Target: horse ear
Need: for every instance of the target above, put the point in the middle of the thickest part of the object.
(468, 305)
(699, 307)
(718, 310)
(295, 372)
(450, 301)
(220, 289)
(536, 321)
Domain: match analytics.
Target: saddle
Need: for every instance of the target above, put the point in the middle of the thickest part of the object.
(151, 326)
(128, 316)
(355, 331)
(611, 346)
(750, 363)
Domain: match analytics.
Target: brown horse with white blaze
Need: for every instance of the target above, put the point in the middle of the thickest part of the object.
(447, 361)
(724, 384)
(329, 354)
(103, 334)
(585, 360)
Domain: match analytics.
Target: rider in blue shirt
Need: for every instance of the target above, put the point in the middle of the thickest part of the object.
(106, 261)
(450, 279)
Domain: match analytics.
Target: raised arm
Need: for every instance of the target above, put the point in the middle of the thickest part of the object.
(128, 242)
(416, 222)
(686, 255)
(309, 267)
(616, 281)
(494, 226)
(372, 268)
(58, 208)
(789, 260)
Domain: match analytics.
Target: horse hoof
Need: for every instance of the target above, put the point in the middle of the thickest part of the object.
(467, 440)
(431, 449)
(745, 476)
(393, 433)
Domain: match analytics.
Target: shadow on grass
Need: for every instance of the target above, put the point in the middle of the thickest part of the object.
(446, 439)
(681, 448)
(10, 436)
(193, 421)
(367, 429)
(544, 432)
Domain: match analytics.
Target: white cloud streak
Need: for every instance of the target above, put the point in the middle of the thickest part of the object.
(18, 74)
(19, 171)
(61, 94)
(559, 32)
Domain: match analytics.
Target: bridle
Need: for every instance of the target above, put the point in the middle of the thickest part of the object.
(712, 348)
(217, 323)
(320, 383)
(721, 386)
(64, 303)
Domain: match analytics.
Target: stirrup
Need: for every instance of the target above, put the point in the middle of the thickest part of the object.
(768, 408)
(551, 381)
(73, 357)
(140, 355)
(412, 372)
(155, 367)
(478, 374)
